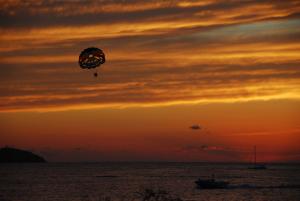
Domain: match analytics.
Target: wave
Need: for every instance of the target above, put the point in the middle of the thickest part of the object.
(248, 186)
(107, 176)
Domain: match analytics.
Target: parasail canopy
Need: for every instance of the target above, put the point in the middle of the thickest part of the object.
(91, 57)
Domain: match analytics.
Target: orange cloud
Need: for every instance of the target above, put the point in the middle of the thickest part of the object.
(185, 53)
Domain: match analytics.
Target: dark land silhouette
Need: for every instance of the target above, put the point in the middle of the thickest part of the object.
(13, 155)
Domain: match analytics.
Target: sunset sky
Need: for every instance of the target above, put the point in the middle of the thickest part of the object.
(233, 67)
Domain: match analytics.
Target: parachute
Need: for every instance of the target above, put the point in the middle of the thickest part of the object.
(91, 57)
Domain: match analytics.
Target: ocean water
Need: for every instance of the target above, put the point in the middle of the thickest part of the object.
(123, 180)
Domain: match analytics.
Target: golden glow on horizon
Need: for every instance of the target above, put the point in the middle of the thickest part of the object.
(161, 132)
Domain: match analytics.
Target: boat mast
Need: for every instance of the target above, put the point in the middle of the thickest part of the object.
(255, 155)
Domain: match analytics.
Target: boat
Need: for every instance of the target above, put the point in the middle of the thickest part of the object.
(211, 184)
(258, 167)
(255, 165)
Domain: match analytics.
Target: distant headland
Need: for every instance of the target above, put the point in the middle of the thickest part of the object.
(13, 155)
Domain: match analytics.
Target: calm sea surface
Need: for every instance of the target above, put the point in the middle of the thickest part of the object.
(122, 181)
